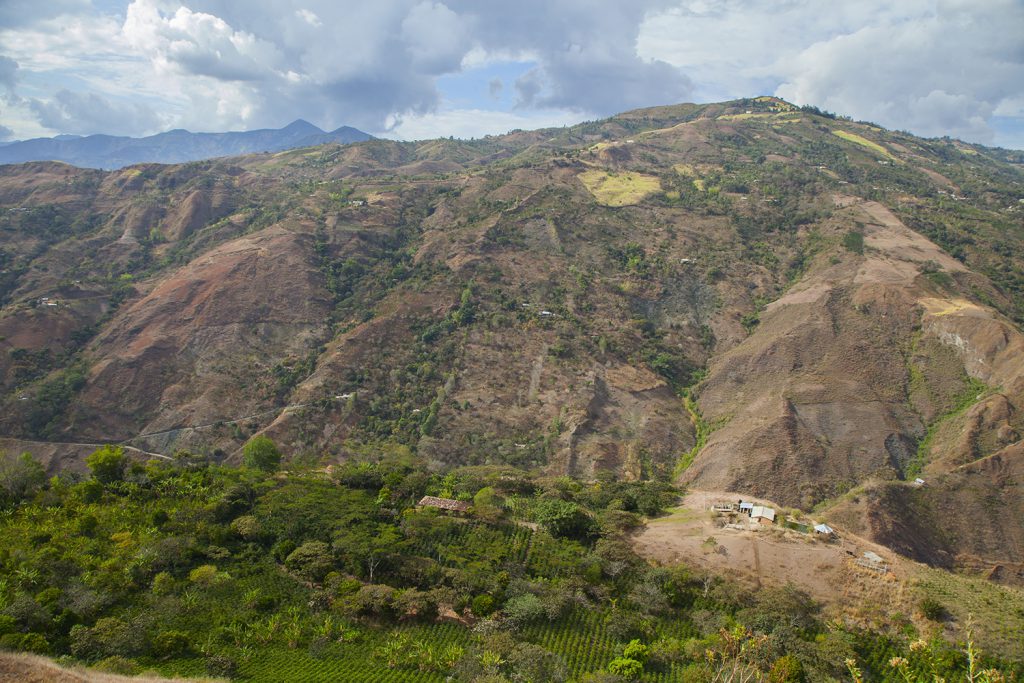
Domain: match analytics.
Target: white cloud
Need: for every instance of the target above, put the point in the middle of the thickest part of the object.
(474, 123)
(436, 38)
(22, 13)
(84, 114)
(309, 17)
(935, 68)
(931, 66)
(198, 43)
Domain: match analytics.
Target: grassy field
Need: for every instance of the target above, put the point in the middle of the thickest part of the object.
(619, 189)
(864, 142)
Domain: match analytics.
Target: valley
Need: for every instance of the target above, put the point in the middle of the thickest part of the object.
(746, 296)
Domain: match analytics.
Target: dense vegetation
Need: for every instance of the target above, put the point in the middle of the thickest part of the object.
(190, 568)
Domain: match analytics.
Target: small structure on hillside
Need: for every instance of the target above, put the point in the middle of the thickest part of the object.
(762, 514)
(919, 482)
(746, 507)
(872, 560)
(722, 507)
(824, 529)
(447, 504)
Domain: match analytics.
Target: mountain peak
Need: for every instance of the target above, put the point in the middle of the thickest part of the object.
(301, 126)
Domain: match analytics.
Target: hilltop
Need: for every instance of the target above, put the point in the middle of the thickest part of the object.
(743, 296)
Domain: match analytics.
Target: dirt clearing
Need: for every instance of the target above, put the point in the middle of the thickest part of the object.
(692, 534)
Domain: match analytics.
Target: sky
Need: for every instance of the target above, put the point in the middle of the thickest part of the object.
(414, 69)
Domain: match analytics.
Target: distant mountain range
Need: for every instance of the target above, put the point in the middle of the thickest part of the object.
(173, 147)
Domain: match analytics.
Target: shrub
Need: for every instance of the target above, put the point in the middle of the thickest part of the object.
(482, 605)
(667, 651)
(786, 669)
(109, 637)
(170, 644)
(636, 650)
(932, 609)
(107, 464)
(26, 642)
(20, 477)
(282, 549)
(627, 625)
(627, 668)
(90, 491)
(854, 241)
(28, 613)
(415, 603)
(247, 526)
(376, 599)
(564, 519)
(524, 609)
(204, 575)
(117, 665)
(533, 663)
(221, 665)
(87, 525)
(312, 560)
(620, 521)
(35, 642)
(163, 583)
(173, 553)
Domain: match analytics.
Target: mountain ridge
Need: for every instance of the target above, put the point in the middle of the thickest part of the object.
(174, 146)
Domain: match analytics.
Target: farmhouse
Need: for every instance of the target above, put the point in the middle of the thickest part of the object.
(762, 514)
(447, 504)
(824, 529)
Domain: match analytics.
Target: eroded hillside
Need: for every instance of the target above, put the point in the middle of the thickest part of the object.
(841, 305)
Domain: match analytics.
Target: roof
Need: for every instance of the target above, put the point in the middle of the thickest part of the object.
(746, 506)
(824, 529)
(444, 503)
(763, 511)
(872, 556)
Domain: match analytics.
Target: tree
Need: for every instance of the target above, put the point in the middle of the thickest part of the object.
(487, 503)
(107, 464)
(565, 519)
(786, 669)
(20, 477)
(629, 669)
(261, 453)
(370, 546)
(312, 560)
